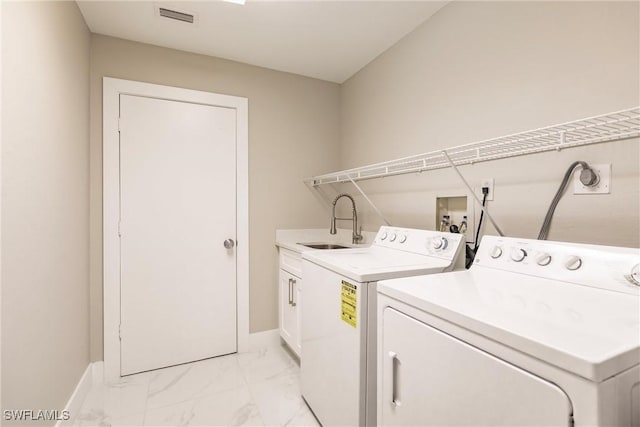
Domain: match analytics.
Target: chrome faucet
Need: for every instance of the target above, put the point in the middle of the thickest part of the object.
(356, 236)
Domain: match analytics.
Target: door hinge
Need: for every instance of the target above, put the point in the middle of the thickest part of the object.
(120, 332)
(119, 230)
(119, 124)
(571, 421)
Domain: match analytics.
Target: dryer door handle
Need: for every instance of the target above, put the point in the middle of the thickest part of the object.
(393, 369)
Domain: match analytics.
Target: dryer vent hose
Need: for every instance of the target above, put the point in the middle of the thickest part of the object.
(588, 177)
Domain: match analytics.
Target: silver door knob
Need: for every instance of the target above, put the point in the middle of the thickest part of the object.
(229, 243)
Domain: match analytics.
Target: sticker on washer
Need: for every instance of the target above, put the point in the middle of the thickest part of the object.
(348, 303)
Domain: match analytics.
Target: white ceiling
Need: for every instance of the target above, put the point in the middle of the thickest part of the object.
(329, 40)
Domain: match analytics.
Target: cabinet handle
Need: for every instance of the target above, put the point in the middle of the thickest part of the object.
(293, 292)
(290, 285)
(394, 361)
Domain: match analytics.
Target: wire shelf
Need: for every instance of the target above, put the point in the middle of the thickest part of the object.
(615, 126)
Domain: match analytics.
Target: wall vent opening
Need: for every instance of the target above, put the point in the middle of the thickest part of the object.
(174, 14)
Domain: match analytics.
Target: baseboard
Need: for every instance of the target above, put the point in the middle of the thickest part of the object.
(258, 340)
(77, 397)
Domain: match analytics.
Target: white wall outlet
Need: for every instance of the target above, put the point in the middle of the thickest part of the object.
(486, 183)
(602, 187)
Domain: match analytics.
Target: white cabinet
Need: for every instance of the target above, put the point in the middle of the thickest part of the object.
(431, 378)
(290, 309)
(289, 288)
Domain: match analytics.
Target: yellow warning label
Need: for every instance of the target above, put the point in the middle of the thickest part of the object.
(349, 303)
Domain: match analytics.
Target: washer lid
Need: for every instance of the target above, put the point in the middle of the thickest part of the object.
(376, 263)
(591, 332)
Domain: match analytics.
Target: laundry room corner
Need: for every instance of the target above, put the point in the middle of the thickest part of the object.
(483, 70)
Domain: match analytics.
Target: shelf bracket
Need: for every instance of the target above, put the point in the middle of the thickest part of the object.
(473, 193)
(563, 140)
(368, 200)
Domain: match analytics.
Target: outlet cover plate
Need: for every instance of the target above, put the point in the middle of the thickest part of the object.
(486, 183)
(602, 187)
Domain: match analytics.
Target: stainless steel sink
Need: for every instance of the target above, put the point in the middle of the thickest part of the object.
(323, 246)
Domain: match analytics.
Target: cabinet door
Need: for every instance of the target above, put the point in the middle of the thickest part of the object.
(288, 313)
(430, 378)
(297, 299)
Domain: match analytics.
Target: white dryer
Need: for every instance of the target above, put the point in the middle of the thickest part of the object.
(535, 333)
(338, 367)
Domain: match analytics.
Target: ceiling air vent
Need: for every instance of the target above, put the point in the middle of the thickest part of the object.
(174, 14)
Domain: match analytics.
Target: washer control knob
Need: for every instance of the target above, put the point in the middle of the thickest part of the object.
(518, 254)
(543, 259)
(403, 238)
(573, 263)
(496, 252)
(383, 236)
(393, 237)
(439, 243)
(634, 277)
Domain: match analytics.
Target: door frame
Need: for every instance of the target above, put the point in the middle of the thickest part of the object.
(112, 89)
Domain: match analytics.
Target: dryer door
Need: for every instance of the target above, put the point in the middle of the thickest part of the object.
(433, 379)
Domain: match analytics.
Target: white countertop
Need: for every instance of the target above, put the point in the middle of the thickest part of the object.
(376, 263)
(290, 239)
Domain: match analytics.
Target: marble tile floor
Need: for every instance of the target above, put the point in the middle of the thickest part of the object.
(260, 388)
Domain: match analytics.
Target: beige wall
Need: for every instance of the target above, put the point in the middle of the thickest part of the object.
(478, 70)
(45, 195)
(293, 133)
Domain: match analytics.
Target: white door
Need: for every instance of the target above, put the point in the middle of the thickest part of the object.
(177, 207)
(432, 379)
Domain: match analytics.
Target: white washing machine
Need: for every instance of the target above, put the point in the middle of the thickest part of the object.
(536, 333)
(338, 360)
